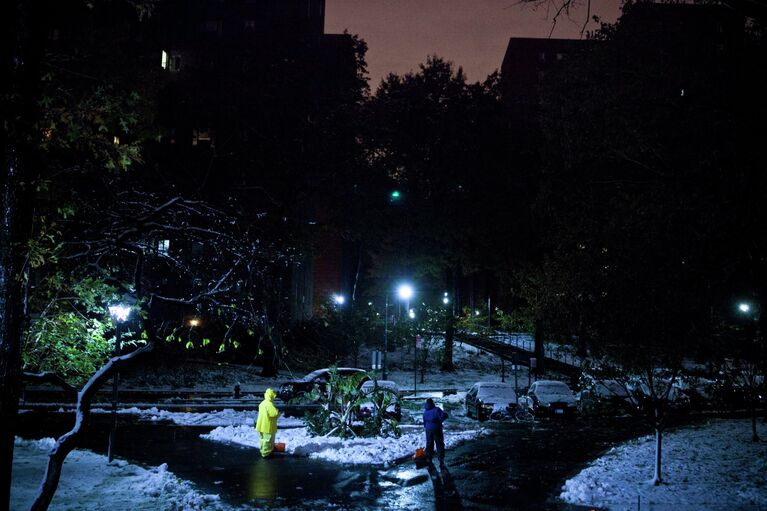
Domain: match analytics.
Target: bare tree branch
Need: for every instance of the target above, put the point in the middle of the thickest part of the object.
(67, 442)
(52, 378)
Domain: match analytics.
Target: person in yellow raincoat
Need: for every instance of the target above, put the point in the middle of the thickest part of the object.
(266, 424)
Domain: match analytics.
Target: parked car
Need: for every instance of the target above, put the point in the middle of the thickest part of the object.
(676, 400)
(486, 400)
(391, 389)
(319, 379)
(606, 397)
(550, 398)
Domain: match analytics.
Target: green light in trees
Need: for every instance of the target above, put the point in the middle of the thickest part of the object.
(395, 195)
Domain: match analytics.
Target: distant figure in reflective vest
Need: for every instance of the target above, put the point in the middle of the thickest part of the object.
(266, 425)
(433, 417)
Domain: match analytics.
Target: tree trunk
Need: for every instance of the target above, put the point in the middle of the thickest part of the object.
(657, 479)
(453, 282)
(356, 275)
(539, 348)
(21, 53)
(12, 312)
(67, 442)
(447, 353)
(752, 410)
(269, 368)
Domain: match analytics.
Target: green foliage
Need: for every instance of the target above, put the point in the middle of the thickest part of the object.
(378, 424)
(338, 402)
(71, 333)
(318, 423)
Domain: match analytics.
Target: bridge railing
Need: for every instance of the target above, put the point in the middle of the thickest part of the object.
(525, 341)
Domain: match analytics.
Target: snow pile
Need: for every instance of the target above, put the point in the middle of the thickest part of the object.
(225, 417)
(457, 398)
(703, 467)
(376, 451)
(89, 482)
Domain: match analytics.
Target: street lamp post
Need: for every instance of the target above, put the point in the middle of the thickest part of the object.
(119, 315)
(386, 334)
(752, 364)
(404, 292)
(416, 346)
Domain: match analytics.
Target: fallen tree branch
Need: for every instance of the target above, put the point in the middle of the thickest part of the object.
(67, 442)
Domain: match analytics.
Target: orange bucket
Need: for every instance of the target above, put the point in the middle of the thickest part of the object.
(279, 447)
(419, 453)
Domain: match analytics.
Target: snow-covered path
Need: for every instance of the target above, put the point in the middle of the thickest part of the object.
(713, 466)
(90, 483)
(374, 451)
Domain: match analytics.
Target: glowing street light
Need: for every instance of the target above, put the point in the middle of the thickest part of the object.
(411, 313)
(445, 299)
(405, 291)
(194, 322)
(339, 299)
(744, 307)
(119, 312)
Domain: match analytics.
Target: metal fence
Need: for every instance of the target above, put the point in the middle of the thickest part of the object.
(526, 342)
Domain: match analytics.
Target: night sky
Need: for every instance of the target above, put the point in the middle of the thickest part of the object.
(471, 33)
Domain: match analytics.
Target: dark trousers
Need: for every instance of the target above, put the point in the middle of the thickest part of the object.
(437, 437)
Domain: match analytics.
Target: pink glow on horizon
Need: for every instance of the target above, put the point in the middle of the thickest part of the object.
(470, 33)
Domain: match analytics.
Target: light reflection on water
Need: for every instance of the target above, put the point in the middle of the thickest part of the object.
(262, 483)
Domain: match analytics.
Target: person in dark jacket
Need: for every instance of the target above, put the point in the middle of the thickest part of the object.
(433, 417)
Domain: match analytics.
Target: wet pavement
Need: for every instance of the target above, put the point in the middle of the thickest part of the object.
(516, 466)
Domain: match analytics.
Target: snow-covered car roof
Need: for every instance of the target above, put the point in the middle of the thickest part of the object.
(608, 388)
(495, 390)
(387, 384)
(553, 391)
(320, 372)
(552, 386)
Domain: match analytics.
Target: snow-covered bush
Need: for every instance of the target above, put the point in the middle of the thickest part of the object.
(338, 403)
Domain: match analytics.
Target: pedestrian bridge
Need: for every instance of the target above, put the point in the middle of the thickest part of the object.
(520, 347)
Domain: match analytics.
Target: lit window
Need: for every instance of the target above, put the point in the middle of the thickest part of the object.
(163, 246)
(170, 62)
(116, 140)
(202, 137)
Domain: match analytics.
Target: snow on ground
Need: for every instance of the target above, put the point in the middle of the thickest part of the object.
(703, 467)
(226, 417)
(376, 451)
(472, 365)
(89, 482)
